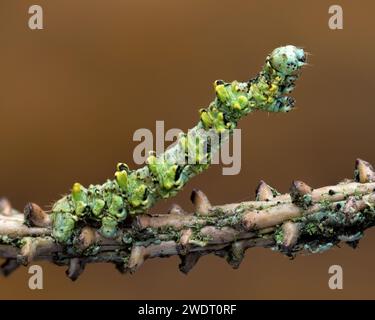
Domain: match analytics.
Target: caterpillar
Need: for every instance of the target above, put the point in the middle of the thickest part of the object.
(132, 192)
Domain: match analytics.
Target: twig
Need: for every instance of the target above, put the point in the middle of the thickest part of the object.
(304, 220)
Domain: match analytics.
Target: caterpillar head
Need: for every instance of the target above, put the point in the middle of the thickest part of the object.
(287, 60)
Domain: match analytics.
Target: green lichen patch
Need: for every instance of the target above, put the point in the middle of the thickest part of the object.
(279, 236)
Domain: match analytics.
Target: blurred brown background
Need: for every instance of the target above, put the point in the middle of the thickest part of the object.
(72, 95)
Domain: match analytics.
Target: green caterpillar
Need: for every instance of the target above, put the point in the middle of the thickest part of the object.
(133, 192)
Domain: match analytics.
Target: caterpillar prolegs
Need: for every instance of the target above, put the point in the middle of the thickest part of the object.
(133, 192)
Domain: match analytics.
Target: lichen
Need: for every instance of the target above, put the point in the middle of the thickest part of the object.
(311, 228)
(200, 239)
(316, 247)
(279, 236)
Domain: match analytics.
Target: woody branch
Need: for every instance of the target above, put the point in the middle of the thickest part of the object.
(303, 220)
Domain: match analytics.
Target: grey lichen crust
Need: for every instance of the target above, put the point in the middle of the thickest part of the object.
(109, 206)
